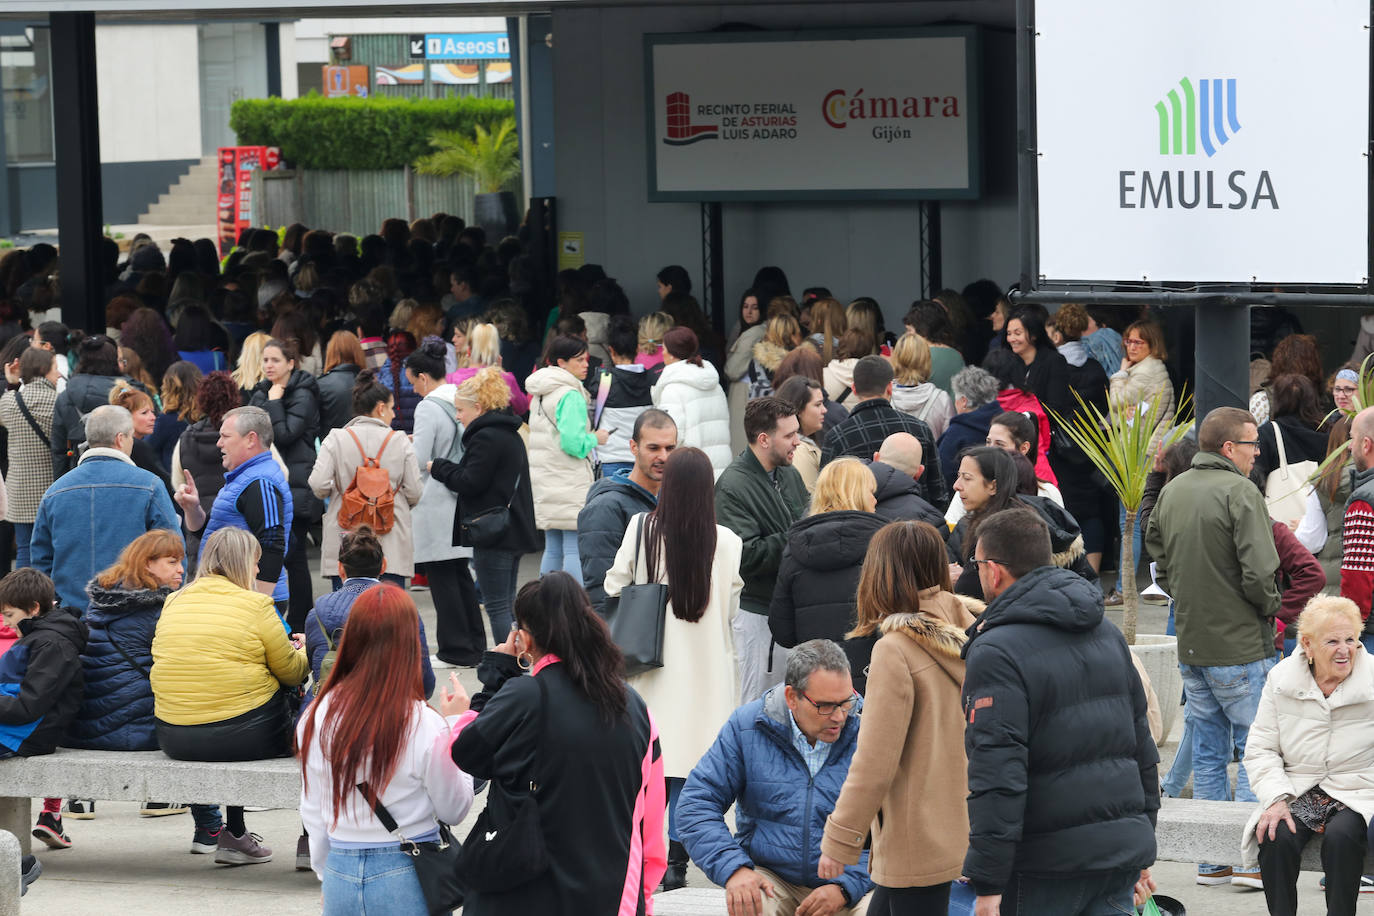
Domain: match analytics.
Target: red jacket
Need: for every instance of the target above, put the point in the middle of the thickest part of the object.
(1300, 577)
(1025, 402)
(1357, 555)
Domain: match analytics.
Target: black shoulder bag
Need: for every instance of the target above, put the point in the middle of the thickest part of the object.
(33, 424)
(488, 527)
(434, 861)
(637, 616)
(506, 847)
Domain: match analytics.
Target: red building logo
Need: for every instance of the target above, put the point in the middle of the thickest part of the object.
(681, 130)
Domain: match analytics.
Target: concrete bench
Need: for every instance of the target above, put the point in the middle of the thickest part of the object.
(140, 776)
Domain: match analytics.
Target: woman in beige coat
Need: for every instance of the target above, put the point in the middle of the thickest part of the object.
(368, 435)
(907, 783)
(1310, 758)
(680, 544)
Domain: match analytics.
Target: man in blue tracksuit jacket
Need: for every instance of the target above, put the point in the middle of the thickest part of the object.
(782, 761)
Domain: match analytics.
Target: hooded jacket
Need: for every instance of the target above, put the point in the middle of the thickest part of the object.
(561, 478)
(692, 396)
(908, 781)
(748, 504)
(295, 427)
(1213, 546)
(817, 580)
(117, 712)
(966, 430)
(1062, 772)
(611, 503)
(838, 379)
(324, 628)
(41, 682)
(83, 394)
(780, 808)
(899, 498)
(1066, 544)
(629, 393)
(925, 402)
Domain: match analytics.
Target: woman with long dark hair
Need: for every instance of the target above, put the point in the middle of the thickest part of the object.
(680, 544)
(370, 738)
(178, 408)
(586, 740)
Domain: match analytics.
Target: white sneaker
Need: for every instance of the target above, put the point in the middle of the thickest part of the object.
(437, 662)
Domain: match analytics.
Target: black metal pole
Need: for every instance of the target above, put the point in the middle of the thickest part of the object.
(1222, 373)
(717, 256)
(1026, 190)
(76, 136)
(272, 32)
(934, 251)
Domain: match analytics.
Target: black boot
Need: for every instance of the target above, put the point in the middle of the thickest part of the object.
(676, 875)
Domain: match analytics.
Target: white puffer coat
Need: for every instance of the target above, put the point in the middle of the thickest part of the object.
(558, 480)
(1302, 739)
(692, 396)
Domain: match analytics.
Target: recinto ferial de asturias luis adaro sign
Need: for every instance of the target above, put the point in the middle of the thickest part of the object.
(1168, 154)
(893, 113)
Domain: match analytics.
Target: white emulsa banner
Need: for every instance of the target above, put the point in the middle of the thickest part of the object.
(813, 115)
(1203, 140)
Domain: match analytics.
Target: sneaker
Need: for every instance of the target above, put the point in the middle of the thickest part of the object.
(241, 850)
(205, 842)
(1366, 884)
(1113, 599)
(419, 583)
(49, 830)
(436, 662)
(303, 853)
(1247, 877)
(1213, 874)
(162, 809)
(29, 871)
(81, 809)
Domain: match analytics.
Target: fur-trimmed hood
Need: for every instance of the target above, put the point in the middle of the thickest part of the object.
(935, 635)
(769, 355)
(939, 627)
(118, 601)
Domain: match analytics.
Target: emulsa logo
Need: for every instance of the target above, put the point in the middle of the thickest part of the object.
(1196, 120)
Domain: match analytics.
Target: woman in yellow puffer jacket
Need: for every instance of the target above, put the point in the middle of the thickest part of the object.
(222, 666)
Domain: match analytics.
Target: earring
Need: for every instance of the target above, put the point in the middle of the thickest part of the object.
(525, 661)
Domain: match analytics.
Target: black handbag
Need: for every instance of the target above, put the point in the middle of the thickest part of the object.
(506, 847)
(637, 616)
(488, 527)
(435, 862)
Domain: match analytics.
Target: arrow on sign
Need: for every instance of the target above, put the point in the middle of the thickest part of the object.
(417, 46)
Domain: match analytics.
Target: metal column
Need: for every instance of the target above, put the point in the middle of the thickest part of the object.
(1222, 372)
(928, 232)
(713, 265)
(272, 34)
(77, 139)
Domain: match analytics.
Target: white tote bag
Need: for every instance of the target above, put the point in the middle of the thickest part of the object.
(1287, 488)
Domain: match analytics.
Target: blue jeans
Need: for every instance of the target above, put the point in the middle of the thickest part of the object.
(675, 784)
(206, 817)
(1135, 544)
(498, 573)
(612, 468)
(22, 535)
(560, 552)
(1104, 894)
(376, 880)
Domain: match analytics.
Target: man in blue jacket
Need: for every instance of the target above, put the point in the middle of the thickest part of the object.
(91, 513)
(781, 760)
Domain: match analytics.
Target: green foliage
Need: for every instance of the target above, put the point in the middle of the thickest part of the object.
(491, 158)
(1122, 447)
(351, 133)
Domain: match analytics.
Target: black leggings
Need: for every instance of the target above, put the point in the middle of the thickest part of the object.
(1343, 847)
(259, 734)
(910, 901)
(461, 635)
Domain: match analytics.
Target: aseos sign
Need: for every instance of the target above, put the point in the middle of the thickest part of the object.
(1197, 154)
(806, 116)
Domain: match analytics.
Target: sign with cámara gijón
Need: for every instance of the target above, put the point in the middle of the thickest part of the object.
(891, 113)
(1218, 141)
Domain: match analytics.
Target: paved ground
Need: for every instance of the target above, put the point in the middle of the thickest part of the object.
(123, 862)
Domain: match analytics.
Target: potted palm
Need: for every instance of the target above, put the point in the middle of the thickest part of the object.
(491, 158)
(1122, 446)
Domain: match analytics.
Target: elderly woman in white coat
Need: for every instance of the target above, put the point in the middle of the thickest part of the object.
(689, 390)
(695, 690)
(461, 637)
(368, 436)
(1310, 757)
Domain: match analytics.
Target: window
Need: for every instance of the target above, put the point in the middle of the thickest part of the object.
(26, 81)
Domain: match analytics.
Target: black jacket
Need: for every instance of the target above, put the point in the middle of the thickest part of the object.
(1062, 772)
(590, 776)
(862, 435)
(817, 580)
(336, 397)
(295, 427)
(202, 459)
(1047, 377)
(42, 681)
(1080, 482)
(1066, 545)
(1300, 443)
(83, 394)
(494, 471)
(899, 499)
(611, 503)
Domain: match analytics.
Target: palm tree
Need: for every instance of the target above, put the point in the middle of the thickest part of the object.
(491, 158)
(1122, 447)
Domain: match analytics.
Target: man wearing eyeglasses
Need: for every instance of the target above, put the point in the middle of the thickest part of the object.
(1213, 546)
(781, 760)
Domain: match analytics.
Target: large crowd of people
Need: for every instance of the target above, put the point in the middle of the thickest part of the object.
(884, 639)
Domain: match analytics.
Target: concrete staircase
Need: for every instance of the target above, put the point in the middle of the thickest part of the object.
(189, 202)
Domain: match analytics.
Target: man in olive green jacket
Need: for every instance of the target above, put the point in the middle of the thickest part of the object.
(759, 497)
(1213, 546)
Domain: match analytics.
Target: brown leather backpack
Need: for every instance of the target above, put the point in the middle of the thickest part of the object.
(369, 499)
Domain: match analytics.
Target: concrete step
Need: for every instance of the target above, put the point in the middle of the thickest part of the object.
(192, 200)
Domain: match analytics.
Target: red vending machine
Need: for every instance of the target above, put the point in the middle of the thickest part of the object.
(236, 165)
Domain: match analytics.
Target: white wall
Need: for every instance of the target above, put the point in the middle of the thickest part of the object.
(856, 249)
(149, 88)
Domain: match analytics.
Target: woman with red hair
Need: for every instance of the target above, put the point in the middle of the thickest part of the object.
(370, 741)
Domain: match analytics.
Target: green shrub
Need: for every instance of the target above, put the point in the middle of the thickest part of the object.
(350, 133)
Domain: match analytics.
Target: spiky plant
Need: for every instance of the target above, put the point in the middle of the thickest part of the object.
(491, 158)
(1122, 446)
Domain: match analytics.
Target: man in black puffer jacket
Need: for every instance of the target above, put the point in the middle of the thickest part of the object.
(1062, 772)
(898, 468)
